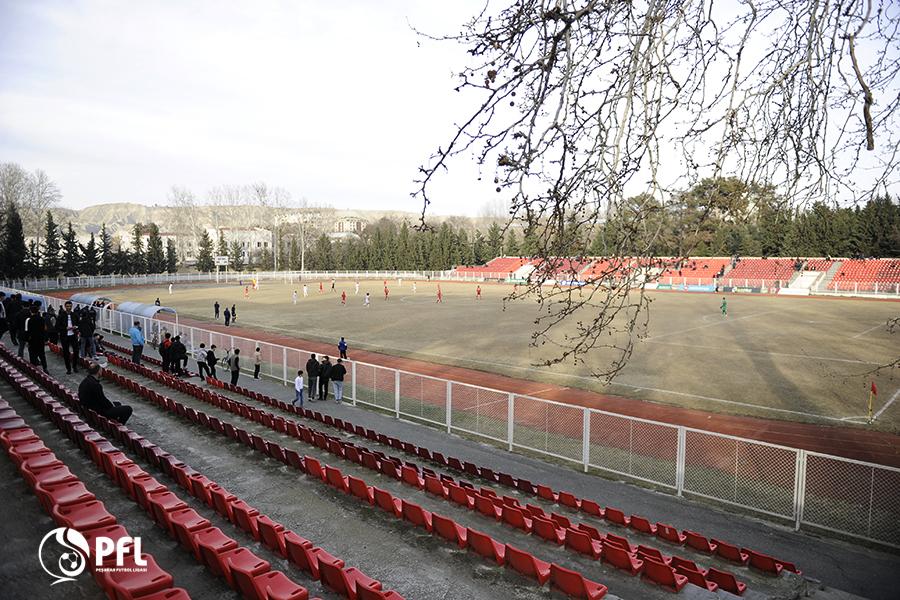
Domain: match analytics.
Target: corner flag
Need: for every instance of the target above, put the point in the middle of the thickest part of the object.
(873, 391)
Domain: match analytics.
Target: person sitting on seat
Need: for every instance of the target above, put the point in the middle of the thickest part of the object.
(90, 395)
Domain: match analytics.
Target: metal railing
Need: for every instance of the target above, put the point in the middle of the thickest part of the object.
(807, 489)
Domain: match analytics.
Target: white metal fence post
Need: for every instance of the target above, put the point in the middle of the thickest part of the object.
(449, 401)
(680, 460)
(510, 421)
(799, 488)
(284, 363)
(353, 381)
(397, 393)
(586, 438)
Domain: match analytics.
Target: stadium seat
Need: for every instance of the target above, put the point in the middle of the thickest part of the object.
(617, 540)
(486, 506)
(459, 496)
(663, 575)
(581, 542)
(526, 564)
(335, 478)
(669, 533)
(592, 508)
(386, 501)
(730, 552)
(448, 529)
(416, 515)
(699, 542)
(271, 534)
(359, 489)
(697, 578)
(621, 559)
(643, 525)
(614, 515)
(87, 515)
(434, 486)
(651, 553)
(212, 544)
(131, 582)
(344, 581)
(548, 530)
(570, 500)
(245, 517)
(485, 545)
(763, 562)
(516, 518)
(726, 581)
(184, 523)
(574, 584)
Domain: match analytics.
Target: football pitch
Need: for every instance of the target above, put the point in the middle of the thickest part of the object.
(799, 359)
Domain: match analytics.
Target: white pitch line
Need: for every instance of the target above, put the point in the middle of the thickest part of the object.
(744, 350)
(725, 321)
(862, 333)
(889, 402)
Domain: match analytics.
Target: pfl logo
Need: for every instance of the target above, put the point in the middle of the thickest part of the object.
(64, 553)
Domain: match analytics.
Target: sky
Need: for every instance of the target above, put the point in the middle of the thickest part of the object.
(338, 103)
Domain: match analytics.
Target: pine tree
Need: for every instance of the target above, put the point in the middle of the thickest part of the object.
(156, 256)
(323, 253)
(404, 250)
(138, 261)
(237, 256)
(107, 265)
(205, 262)
(13, 252)
(480, 249)
(171, 256)
(464, 248)
(33, 260)
(90, 257)
(512, 244)
(494, 241)
(222, 249)
(50, 251)
(71, 260)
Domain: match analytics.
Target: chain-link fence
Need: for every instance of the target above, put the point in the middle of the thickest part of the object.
(810, 489)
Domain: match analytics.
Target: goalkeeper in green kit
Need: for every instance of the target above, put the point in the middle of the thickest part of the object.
(724, 307)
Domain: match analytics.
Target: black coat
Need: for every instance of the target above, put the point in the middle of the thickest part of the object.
(36, 336)
(325, 370)
(90, 395)
(62, 323)
(19, 322)
(337, 372)
(211, 359)
(312, 368)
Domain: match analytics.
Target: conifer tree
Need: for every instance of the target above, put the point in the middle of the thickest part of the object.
(138, 262)
(13, 251)
(90, 257)
(106, 252)
(205, 262)
(71, 259)
(156, 256)
(50, 252)
(171, 256)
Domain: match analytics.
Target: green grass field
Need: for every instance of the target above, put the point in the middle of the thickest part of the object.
(803, 359)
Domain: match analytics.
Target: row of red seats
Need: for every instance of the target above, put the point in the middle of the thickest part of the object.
(506, 509)
(568, 581)
(70, 503)
(720, 548)
(218, 552)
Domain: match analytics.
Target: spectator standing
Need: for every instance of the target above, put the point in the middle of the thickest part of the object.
(165, 352)
(211, 360)
(235, 365)
(216, 309)
(178, 356)
(312, 372)
(86, 331)
(257, 362)
(67, 327)
(21, 317)
(37, 337)
(91, 396)
(137, 342)
(4, 324)
(298, 389)
(227, 315)
(342, 347)
(233, 313)
(337, 379)
(324, 375)
(158, 303)
(50, 326)
(200, 357)
(12, 309)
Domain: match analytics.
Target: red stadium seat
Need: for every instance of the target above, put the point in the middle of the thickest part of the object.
(726, 581)
(344, 581)
(485, 545)
(643, 525)
(581, 542)
(621, 559)
(516, 518)
(366, 593)
(415, 514)
(359, 489)
(275, 585)
(486, 506)
(245, 517)
(448, 529)
(547, 529)
(335, 478)
(386, 501)
(730, 552)
(664, 575)
(614, 515)
(574, 584)
(669, 533)
(271, 534)
(526, 564)
(699, 542)
(763, 562)
(570, 500)
(242, 566)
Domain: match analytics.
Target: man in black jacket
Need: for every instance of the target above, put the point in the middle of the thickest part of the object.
(312, 372)
(324, 374)
(211, 360)
(67, 328)
(36, 336)
(337, 379)
(178, 356)
(91, 396)
(19, 326)
(4, 323)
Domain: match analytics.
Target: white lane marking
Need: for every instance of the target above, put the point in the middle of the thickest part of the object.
(829, 358)
(889, 402)
(862, 333)
(724, 321)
